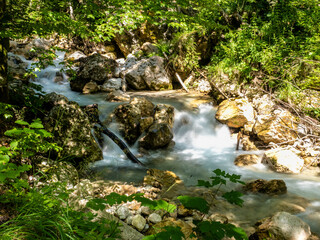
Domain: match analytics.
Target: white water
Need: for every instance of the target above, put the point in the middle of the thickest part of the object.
(201, 145)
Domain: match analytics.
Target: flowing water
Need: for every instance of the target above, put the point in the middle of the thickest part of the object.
(201, 145)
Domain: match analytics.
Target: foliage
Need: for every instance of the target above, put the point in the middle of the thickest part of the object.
(220, 179)
(168, 233)
(46, 214)
(30, 139)
(194, 203)
(114, 198)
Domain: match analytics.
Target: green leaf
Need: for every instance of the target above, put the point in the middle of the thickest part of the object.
(7, 116)
(20, 122)
(173, 233)
(36, 125)
(234, 197)
(202, 183)
(194, 203)
(97, 204)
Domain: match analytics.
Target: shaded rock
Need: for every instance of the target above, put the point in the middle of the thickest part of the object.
(139, 222)
(59, 78)
(247, 144)
(148, 48)
(112, 84)
(148, 74)
(246, 159)
(278, 127)
(235, 112)
(272, 187)
(16, 67)
(146, 106)
(118, 96)
(157, 136)
(282, 160)
(145, 123)
(281, 226)
(72, 131)
(90, 87)
(95, 68)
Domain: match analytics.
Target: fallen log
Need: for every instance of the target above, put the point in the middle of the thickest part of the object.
(120, 143)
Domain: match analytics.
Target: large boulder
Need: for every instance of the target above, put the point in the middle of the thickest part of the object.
(130, 115)
(272, 187)
(282, 160)
(235, 112)
(280, 126)
(281, 226)
(139, 116)
(158, 135)
(148, 74)
(72, 130)
(95, 68)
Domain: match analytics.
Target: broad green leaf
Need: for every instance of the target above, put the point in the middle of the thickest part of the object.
(97, 204)
(20, 122)
(194, 203)
(202, 183)
(36, 125)
(234, 197)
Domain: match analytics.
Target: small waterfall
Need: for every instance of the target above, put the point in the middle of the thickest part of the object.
(201, 145)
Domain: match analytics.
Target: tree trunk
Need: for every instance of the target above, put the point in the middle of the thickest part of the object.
(4, 47)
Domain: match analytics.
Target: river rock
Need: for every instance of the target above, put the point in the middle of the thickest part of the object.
(118, 96)
(280, 126)
(16, 67)
(272, 187)
(186, 229)
(123, 212)
(148, 74)
(72, 130)
(164, 113)
(235, 112)
(139, 222)
(154, 218)
(282, 160)
(246, 159)
(90, 87)
(75, 56)
(148, 48)
(112, 84)
(281, 226)
(94, 68)
(129, 116)
(158, 135)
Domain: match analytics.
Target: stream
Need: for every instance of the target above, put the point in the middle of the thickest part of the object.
(201, 145)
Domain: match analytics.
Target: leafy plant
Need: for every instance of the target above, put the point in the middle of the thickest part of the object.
(221, 179)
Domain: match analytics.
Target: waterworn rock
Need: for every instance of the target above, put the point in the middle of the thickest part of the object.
(158, 135)
(281, 226)
(246, 159)
(123, 212)
(186, 229)
(154, 218)
(163, 180)
(72, 130)
(139, 222)
(94, 68)
(112, 84)
(164, 113)
(148, 74)
(118, 96)
(280, 126)
(282, 160)
(235, 112)
(264, 105)
(90, 87)
(247, 144)
(272, 187)
(130, 115)
(75, 56)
